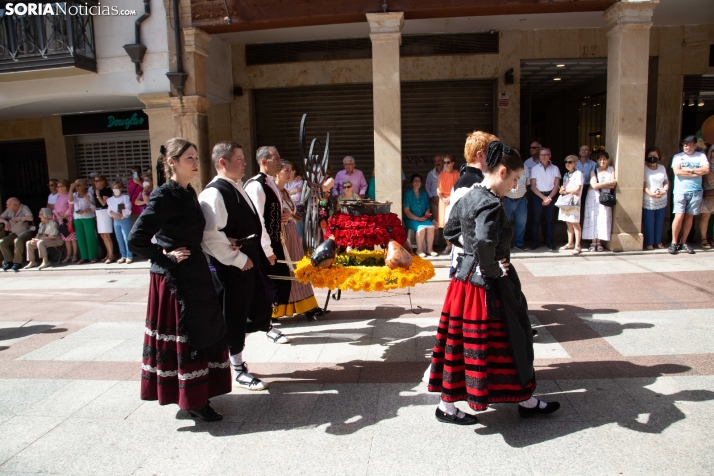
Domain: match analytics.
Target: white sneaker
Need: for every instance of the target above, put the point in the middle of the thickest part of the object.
(277, 337)
(121, 261)
(129, 261)
(248, 382)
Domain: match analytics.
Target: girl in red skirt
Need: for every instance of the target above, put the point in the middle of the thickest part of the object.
(484, 343)
(185, 357)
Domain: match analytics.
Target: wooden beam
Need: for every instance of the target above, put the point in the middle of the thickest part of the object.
(247, 15)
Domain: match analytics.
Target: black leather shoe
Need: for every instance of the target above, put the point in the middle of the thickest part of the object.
(7, 266)
(537, 410)
(467, 419)
(16, 267)
(673, 249)
(206, 413)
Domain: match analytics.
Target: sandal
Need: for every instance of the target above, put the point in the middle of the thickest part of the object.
(661, 246)
(649, 248)
(67, 260)
(705, 244)
(576, 251)
(592, 248)
(600, 248)
(109, 260)
(566, 247)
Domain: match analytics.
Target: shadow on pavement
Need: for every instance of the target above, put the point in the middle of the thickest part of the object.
(629, 404)
(10, 333)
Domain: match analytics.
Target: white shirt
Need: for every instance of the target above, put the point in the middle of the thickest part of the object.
(215, 242)
(545, 177)
(654, 180)
(52, 198)
(432, 181)
(255, 191)
(113, 203)
(523, 182)
(529, 164)
(85, 203)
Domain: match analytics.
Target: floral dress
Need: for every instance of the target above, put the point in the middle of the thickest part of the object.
(572, 214)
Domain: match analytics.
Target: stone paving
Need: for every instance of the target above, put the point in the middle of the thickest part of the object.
(624, 343)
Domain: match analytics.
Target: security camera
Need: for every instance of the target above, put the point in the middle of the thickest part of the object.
(227, 20)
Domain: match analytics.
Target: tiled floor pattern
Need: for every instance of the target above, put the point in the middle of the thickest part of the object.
(628, 354)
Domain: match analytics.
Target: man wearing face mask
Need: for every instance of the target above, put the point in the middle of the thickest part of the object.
(230, 216)
(134, 189)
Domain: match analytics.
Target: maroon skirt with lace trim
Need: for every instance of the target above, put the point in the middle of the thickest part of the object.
(472, 358)
(171, 372)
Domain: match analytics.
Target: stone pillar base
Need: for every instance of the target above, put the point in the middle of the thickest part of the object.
(627, 242)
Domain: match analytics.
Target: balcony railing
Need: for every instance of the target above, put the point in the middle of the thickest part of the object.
(59, 40)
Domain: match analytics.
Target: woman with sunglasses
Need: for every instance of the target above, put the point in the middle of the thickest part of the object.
(52, 197)
(573, 187)
(347, 192)
(447, 179)
(654, 202)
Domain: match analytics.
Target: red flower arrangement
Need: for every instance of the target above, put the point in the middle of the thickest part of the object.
(366, 231)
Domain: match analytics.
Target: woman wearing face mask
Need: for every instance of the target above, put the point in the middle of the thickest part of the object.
(654, 202)
(484, 343)
(120, 210)
(185, 353)
(147, 187)
(134, 187)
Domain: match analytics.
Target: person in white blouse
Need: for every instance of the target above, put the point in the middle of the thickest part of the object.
(120, 210)
(85, 221)
(654, 200)
(572, 190)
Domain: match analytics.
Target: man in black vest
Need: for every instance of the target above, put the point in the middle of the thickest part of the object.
(265, 195)
(231, 216)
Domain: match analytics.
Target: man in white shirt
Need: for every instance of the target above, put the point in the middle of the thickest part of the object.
(432, 182)
(264, 194)
(545, 182)
(534, 158)
(231, 216)
(516, 205)
(19, 229)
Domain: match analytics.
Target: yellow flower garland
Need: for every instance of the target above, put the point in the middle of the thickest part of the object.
(364, 278)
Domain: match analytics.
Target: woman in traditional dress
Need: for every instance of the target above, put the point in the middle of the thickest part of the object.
(417, 216)
(325, 207)
(446, 181)
(185, 357)
(294, 187)
(302, 297)
(573, 186)
(597, 225)
(484, 343)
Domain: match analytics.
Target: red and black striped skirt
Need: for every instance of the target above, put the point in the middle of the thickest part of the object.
(472, 358)
(170, 371)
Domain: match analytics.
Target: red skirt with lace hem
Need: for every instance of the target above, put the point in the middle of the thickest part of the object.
(472, 358)
(169, 371)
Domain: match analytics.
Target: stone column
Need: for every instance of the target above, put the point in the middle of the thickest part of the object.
(190, 111)
(628, 43)
(161, 121)
(386, 37)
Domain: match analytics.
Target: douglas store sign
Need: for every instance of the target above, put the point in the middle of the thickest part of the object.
(121, 121)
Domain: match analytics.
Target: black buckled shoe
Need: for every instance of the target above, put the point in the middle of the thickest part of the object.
(206, 413)
(7, 265)
(673, 249)
(467, 419)
(687, 248)
(550, 407)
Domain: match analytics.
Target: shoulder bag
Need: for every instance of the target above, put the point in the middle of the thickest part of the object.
(607, 197)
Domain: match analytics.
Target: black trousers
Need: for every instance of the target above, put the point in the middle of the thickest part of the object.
(282, 286)
(246, 307)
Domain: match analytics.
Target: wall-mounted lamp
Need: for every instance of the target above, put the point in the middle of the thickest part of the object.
(509, 76)
(691, 101)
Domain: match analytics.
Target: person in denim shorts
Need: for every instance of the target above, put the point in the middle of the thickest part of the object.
(688, 166)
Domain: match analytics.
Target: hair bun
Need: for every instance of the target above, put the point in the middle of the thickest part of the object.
(494, 151)
(162, 150)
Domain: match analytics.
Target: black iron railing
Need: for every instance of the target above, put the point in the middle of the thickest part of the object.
(61, 39)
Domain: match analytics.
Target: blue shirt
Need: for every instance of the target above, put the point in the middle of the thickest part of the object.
(586, 168)
(688, 184)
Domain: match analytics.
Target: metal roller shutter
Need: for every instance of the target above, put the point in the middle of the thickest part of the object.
(112, 155)
(436, 117)
(345, 111)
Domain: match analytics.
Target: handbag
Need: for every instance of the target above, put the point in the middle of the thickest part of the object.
(607, 198)
(566, 201)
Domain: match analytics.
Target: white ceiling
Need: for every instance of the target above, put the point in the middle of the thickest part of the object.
(668, 12)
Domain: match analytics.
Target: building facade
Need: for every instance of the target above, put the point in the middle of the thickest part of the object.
(392, 84)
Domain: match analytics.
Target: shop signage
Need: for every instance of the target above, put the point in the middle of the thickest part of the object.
(503, 100)
(120, 121)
